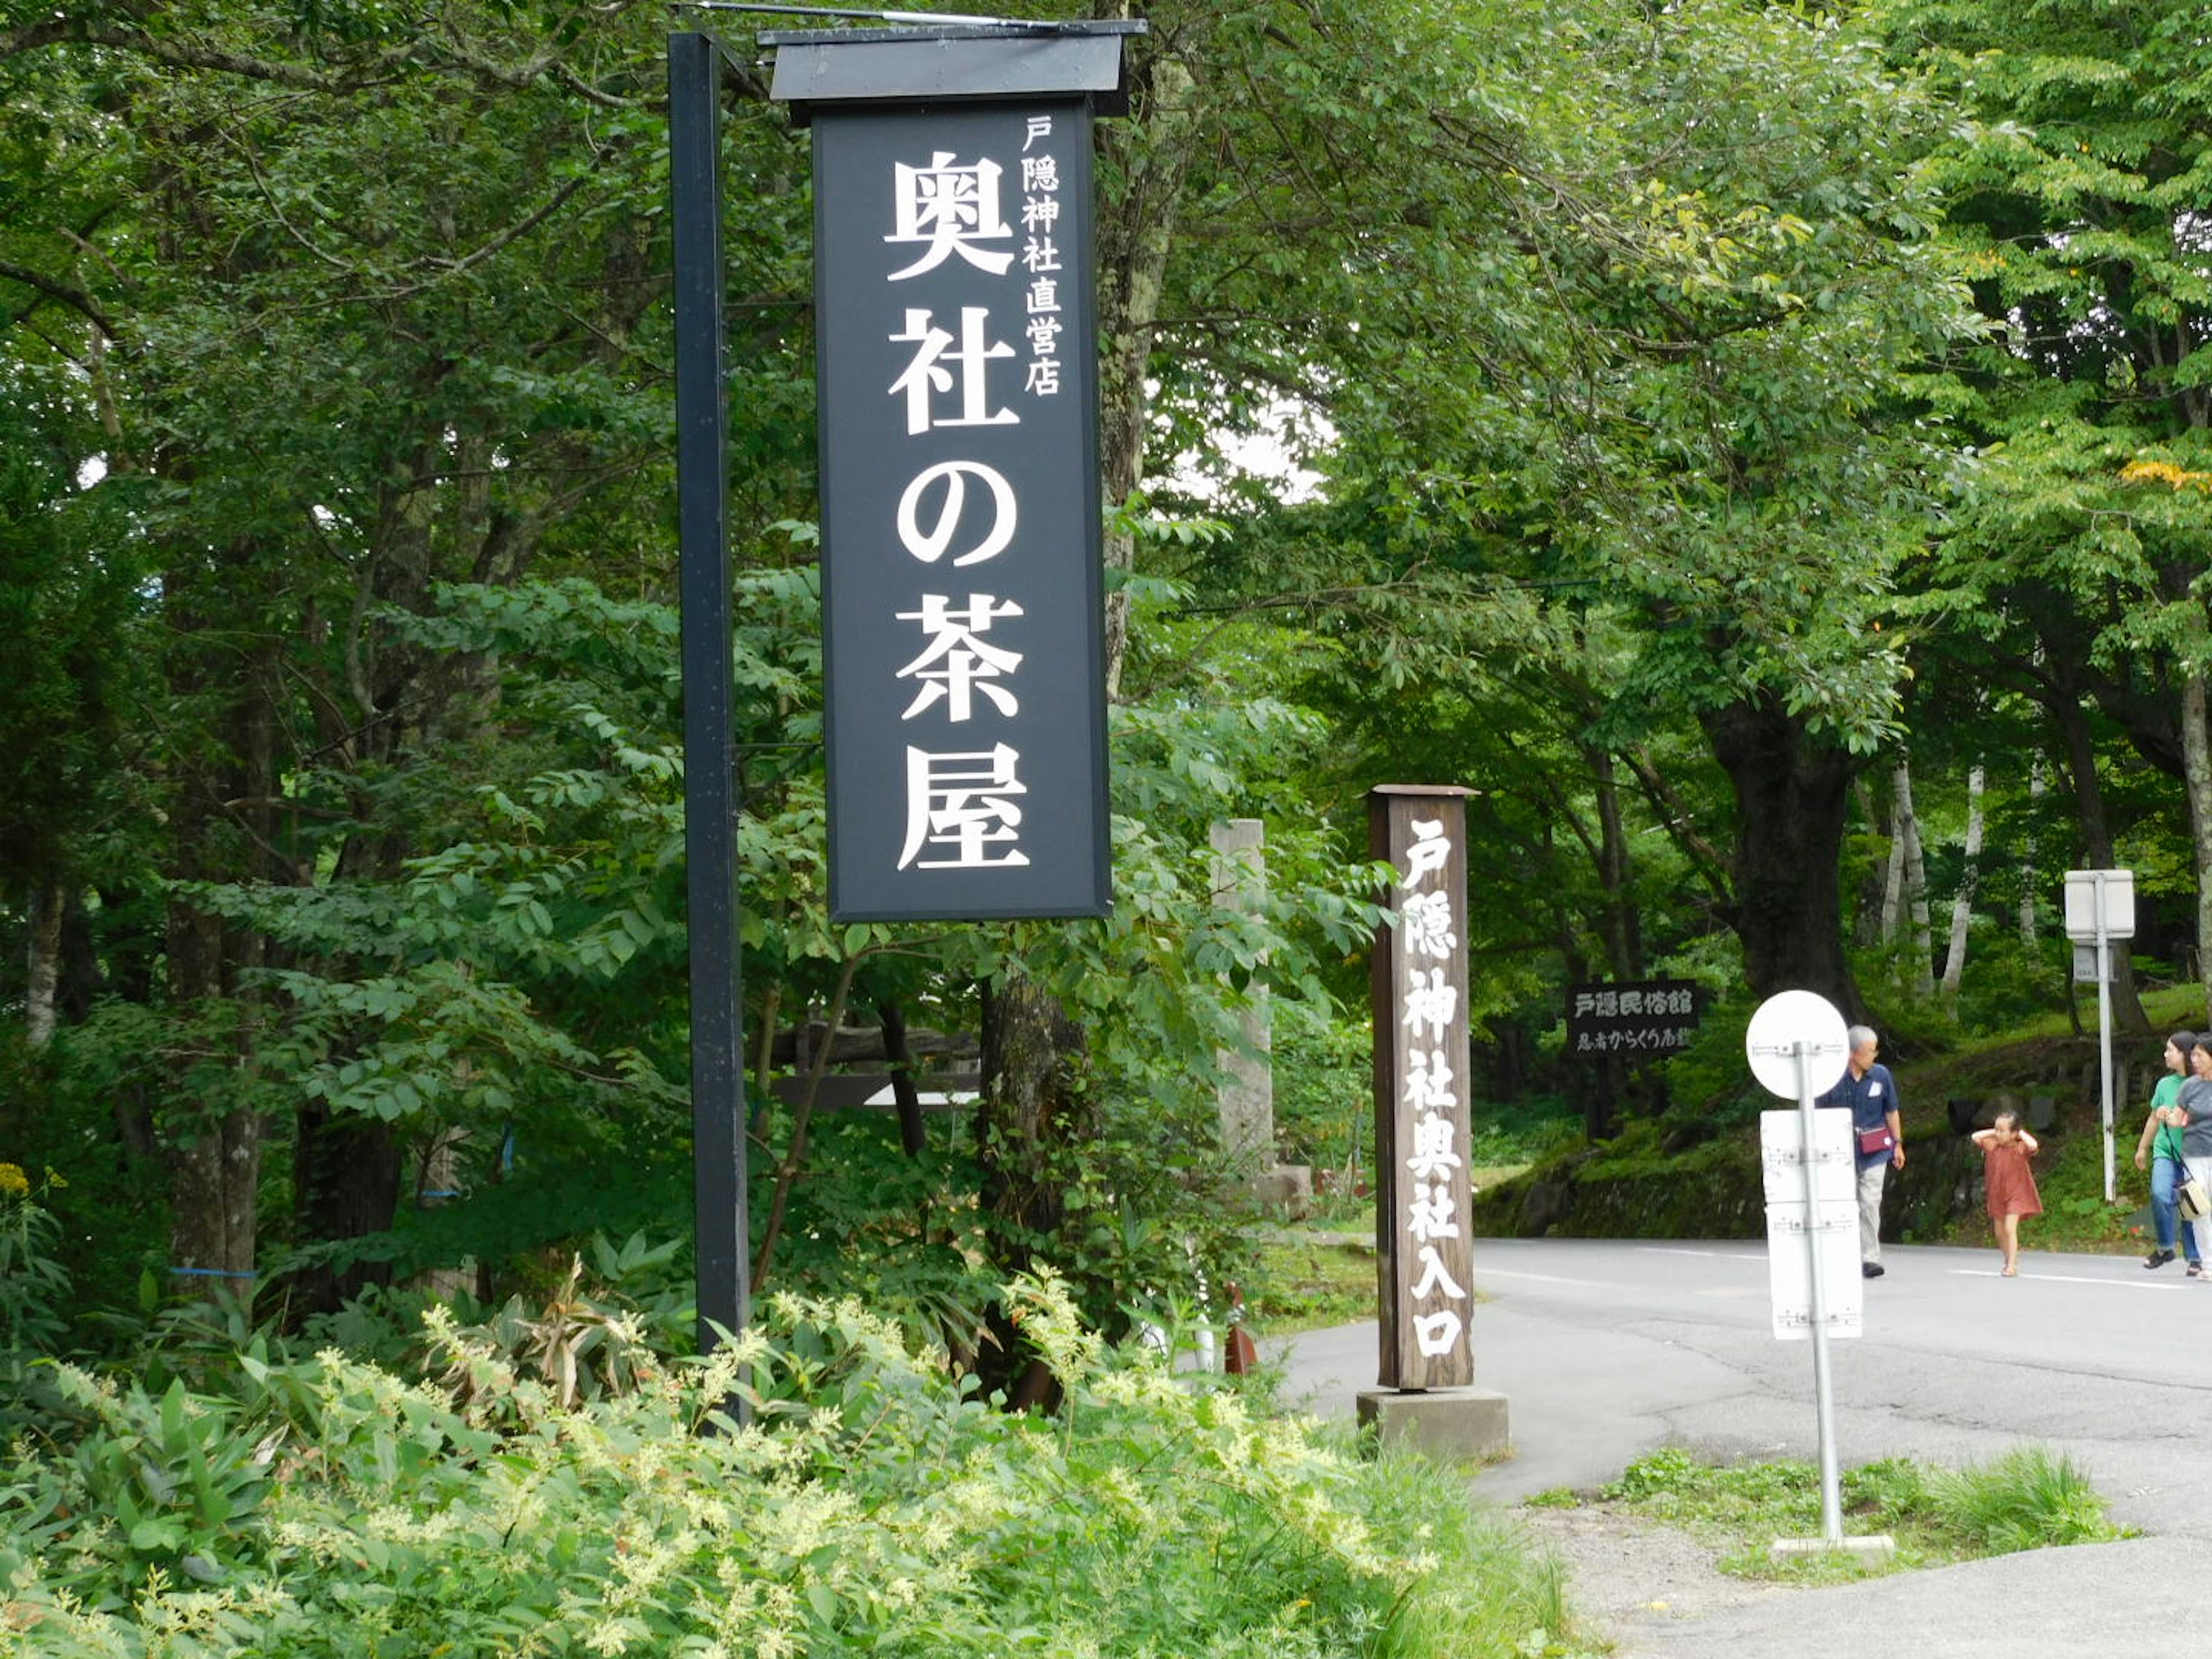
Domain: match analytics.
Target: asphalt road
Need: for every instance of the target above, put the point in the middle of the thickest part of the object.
(1607, 1348)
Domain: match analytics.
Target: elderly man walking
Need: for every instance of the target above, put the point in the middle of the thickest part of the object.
(1869, 1090)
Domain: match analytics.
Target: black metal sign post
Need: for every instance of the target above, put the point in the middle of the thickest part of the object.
(962, 595)
(960, 511)
(710, 808)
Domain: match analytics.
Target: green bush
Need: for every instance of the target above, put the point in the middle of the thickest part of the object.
(2007, 984)
(35, 1287)
(1323, 1080)
(874, 1504)
(35, 1291)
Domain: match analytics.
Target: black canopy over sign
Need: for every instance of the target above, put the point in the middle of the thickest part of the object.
(962, 584)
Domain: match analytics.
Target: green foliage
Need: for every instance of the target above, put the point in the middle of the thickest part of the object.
(1672, 1484)
(1323, 1081)
(34, 1285)
(577, 1346)
(2071, 562)
(875, 1505)
(335, 561)
(1521, 1132)
(34, 1296)
(177, 1481)
(1711, 1075)
(2010, 983)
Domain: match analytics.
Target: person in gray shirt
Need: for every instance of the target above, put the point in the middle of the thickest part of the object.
(2196, 1141)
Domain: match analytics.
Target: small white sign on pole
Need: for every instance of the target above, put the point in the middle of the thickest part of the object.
(2089, 892)
(1789, 1262)
(2100, 908)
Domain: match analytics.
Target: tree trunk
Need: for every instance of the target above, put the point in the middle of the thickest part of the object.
(406, 700)
(215, 1173)
(213, 1156)
(2027, 872)
(1154, 150)
(1030, 1119)
(1892, 886)
(1033, 1055)
(1866, 912)
(212, 1145)
(346, 1182)
(43, 972)
(906, 1094)
(1624, 940)
(1792, 796)
(1916, 885)
(2197, 765)
(2093, 827)
(1962, 902)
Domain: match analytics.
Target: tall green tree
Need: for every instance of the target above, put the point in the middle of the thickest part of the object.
(1615, 315)
(364, 302)
(2074, 195)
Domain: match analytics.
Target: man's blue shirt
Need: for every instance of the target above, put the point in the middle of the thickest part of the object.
(1871, 1099)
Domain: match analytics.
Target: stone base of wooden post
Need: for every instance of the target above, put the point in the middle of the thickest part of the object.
(1456, 1425)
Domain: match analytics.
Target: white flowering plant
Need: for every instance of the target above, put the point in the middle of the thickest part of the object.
(869, 1502)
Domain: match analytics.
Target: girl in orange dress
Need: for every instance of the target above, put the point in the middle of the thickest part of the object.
(2006, 1148)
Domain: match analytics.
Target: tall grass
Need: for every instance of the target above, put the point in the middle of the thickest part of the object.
(2030, 1497)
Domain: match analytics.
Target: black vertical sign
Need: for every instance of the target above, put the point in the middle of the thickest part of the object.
(962, 587)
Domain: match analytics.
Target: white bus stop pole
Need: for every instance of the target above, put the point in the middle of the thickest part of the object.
(2104, 1028)
(1832, 1504)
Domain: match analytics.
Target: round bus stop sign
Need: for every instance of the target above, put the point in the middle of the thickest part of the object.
(1783, 1021)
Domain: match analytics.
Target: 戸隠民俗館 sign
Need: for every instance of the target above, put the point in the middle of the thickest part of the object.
(1650, 1017)
(962, 581)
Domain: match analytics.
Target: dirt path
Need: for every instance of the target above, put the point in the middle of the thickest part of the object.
(1626, 1574)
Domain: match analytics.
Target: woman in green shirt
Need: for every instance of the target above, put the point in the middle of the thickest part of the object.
(2160, 1152)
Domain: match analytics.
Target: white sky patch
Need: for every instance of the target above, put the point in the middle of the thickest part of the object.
(1265, 454)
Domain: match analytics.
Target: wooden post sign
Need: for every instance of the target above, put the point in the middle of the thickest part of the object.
(962, 591)
(1423, 1257)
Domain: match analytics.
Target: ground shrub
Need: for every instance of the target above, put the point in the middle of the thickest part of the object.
(873, 1504)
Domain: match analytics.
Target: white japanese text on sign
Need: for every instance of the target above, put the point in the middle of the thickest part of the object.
(1430, 1012)
(962, 802)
